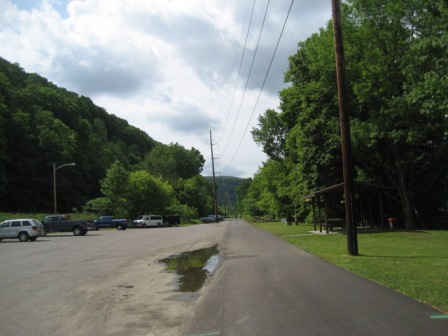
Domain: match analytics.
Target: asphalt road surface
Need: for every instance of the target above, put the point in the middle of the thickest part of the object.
(111, 283)
(266, 286)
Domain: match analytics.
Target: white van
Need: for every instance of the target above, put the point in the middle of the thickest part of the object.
(148, 221)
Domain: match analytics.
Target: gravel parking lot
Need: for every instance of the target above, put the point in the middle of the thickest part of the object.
(105, 283)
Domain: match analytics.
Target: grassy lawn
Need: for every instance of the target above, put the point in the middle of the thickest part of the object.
(413, 263)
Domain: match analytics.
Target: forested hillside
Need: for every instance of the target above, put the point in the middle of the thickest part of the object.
(42, 125)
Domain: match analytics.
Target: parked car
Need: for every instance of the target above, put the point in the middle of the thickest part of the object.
(156, 220)
(213, 218)
(208, 219)
(59, 223)
(170, 220)
(23, 229)
(148, 221)
(110, 222)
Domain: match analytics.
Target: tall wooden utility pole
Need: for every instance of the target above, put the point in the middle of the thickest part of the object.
(214, 181)
(344, 121)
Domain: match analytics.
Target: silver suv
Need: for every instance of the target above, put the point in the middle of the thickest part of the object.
(24, 229)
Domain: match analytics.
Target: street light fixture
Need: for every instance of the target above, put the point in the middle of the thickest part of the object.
(54, 181)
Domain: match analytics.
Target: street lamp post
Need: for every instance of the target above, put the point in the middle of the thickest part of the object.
(54, 182)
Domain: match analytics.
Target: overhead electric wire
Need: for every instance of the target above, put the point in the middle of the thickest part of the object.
(262, 87)
(239, 70)
(248, 77)
(242, 56)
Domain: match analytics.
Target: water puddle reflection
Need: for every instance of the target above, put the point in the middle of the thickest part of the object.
(193, 267)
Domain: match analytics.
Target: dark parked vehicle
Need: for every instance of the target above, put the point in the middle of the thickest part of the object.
(211, 218)
(208, 219)
(60, 223)
(110, 222)
(170, 220)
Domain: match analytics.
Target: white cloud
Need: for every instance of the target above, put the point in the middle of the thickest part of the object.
(168, 67)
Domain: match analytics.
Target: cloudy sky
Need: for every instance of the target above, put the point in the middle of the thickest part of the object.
(177, 69)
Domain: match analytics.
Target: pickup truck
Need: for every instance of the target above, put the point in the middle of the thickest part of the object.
(110, 222)
(60, 223)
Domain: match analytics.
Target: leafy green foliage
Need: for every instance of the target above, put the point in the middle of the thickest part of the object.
(271, 135)
(187, 213)
(196, 193)
(396, 62)
(147, 194)
(173, 162)
(47, 124)
(130, 194)
(114, 187)
(98, 206)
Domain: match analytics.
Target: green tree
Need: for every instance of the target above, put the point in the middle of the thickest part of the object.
(187, 213)
(114, 187)
(396, 56)
(147, 194)
(398, 95)
(271, 134)
(196, 193)
(173, 162)
(55, 139)
(98, 205)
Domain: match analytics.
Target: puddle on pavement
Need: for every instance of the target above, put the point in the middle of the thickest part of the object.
(193, 267)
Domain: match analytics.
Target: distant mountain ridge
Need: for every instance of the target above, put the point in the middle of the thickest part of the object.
(226, 187)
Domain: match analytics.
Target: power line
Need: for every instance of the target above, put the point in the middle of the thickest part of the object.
(248, 77)
(241, 63)
(239, 70)
(262, 87)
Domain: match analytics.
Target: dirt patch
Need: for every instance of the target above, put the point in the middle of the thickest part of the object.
(141, 299)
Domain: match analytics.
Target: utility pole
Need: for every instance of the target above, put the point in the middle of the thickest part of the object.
(54, 183)
(214, 181)
(344, 122)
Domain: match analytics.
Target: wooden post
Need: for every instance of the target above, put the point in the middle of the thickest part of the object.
(326, 214)
(344, 122)
(318, 214)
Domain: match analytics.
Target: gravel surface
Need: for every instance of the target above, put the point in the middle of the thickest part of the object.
(106, 283)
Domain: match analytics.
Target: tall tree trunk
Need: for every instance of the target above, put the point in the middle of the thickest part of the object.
(406, 196)
(407, 202)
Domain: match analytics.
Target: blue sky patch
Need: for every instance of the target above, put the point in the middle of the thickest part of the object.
(28, 5)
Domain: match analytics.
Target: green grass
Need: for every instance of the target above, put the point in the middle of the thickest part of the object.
(414, 263)
(40, 216)
(76, 216)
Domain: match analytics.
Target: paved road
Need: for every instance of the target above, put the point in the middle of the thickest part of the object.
(111, 283)
(268, 287)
